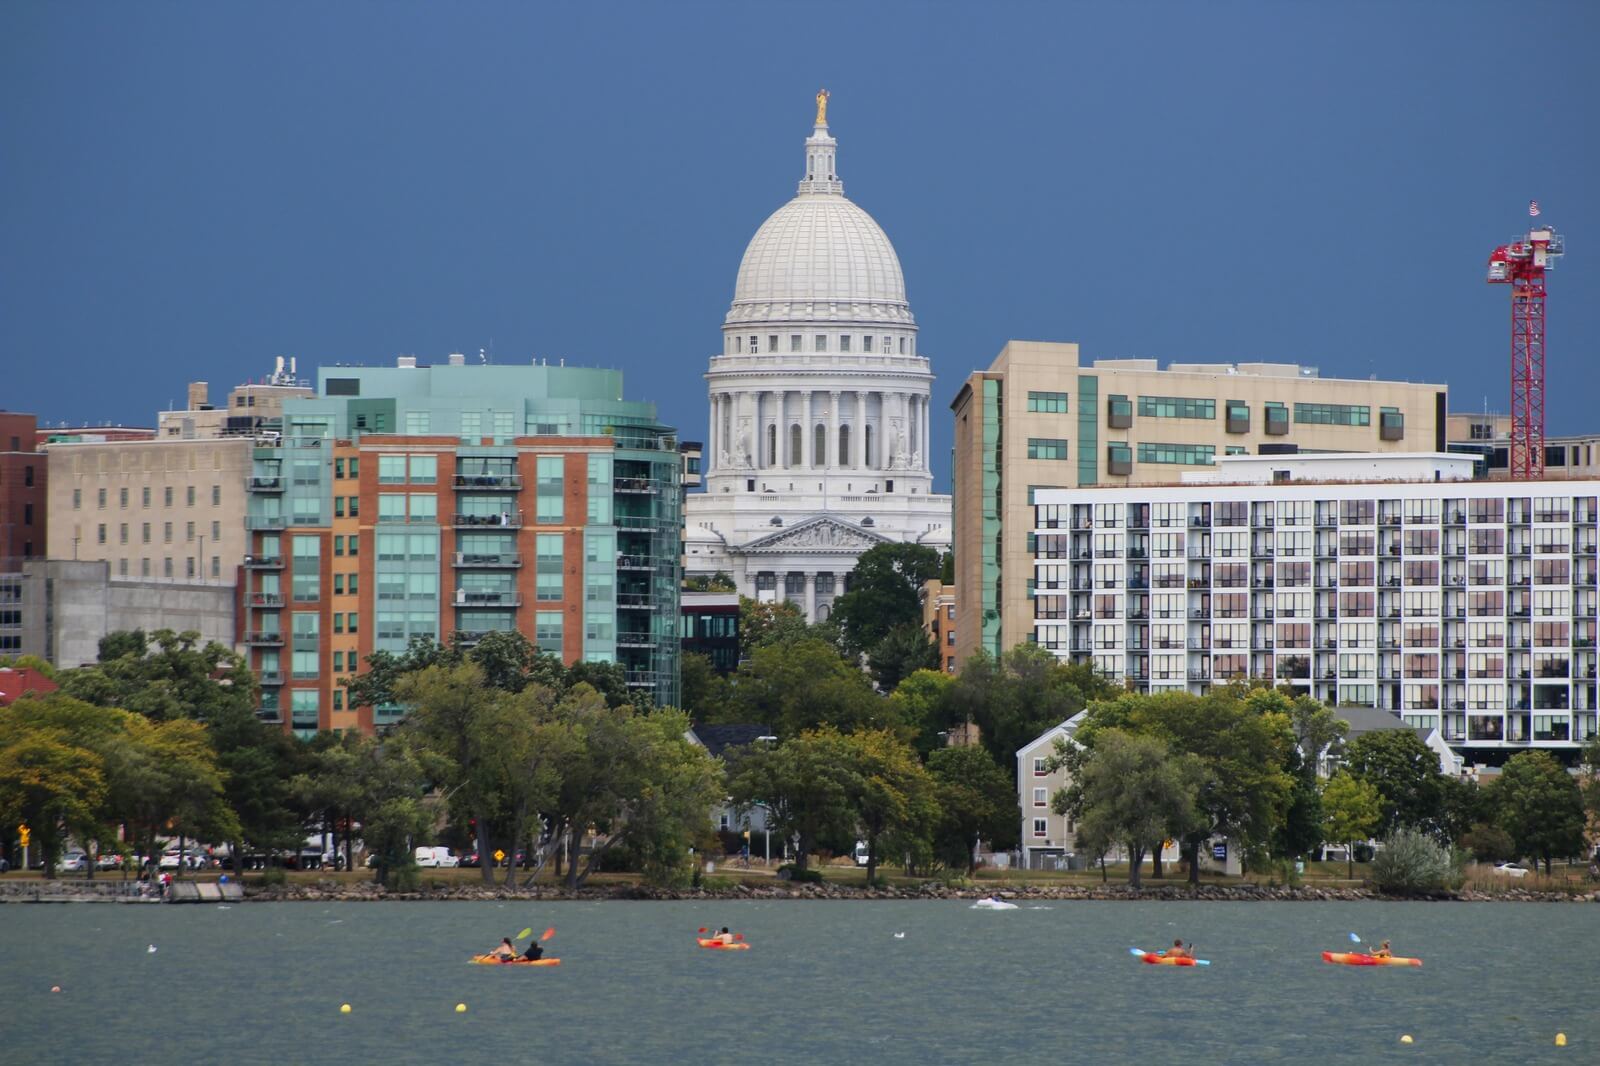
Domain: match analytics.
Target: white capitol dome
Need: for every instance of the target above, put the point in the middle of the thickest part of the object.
(820, 258)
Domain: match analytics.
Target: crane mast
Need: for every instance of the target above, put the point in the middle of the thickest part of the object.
(1522, 265)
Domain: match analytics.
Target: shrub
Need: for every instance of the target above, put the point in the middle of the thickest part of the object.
(1413, 863)
(717, 884)
(1363, 853)
(790, 872)
(274, 875)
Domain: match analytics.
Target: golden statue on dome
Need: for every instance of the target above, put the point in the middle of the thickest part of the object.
(822, 107)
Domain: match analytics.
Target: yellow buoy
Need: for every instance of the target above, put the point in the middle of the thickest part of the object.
(1406, 1039)
(461, 1008)
(1561, 1040)
(344, 1008)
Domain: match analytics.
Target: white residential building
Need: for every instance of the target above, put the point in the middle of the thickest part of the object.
(1373, 581)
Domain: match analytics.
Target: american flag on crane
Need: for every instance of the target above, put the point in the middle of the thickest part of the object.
(1533, 207)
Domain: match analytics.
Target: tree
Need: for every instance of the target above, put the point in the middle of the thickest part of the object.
(1463, 805)
(1352, 810)
(703, 691)
(921, 704)
(1019, 695)
(178, 678)
(1489, 843)
(807, 785)
(1300, 832)
(1318, 730)
(904, 650)
(977, 801)
(1541, 806)
(894, 793)
(1405, 770)
(1136, 791)
(451, 717)
(884, 587)
(1243, 743)
(804, 685)
(51, 777)
(763, 624)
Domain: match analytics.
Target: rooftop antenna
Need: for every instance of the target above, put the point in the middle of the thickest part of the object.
(483, 357)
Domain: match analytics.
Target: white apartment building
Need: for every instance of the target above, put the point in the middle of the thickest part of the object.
(1360, 580)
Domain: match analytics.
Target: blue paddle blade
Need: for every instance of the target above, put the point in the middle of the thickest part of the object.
(1202, 962)
(1354, 939)
(1136, 953)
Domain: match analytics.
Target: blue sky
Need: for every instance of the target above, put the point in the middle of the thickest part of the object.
(189, 189)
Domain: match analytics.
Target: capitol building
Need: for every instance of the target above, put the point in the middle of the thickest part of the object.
(818, 446)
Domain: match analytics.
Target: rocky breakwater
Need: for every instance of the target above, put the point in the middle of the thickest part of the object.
(326, 891)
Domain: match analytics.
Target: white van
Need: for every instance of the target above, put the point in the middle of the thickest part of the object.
(437, 858)
(861, 853)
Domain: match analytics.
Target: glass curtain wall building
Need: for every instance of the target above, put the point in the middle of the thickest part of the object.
(423, 502)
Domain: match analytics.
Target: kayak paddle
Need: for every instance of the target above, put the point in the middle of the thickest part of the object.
(523, 935)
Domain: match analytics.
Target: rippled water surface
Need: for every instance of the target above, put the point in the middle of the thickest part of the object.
(825, 982)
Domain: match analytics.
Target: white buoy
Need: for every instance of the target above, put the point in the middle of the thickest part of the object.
(151, 950)
(899, 936)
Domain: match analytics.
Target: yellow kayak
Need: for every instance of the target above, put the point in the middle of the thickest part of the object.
(495, 960)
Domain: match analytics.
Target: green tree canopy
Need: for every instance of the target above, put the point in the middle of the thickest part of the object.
(1541, 806)
(1352, 810)
(1018, 696)
(977, 801)
(903, 651)
(884, 588)
(1405, 770)
(807, 784)
(804, 685)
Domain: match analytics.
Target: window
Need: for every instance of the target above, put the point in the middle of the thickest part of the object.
(548, 581)
(1041, 797)
(822, 342)
(1049, 403)
(144, 496)
(188, 495)
(418, 423)
(794, 342)
(122, 533)
(1041, 827)
(338, 468)
(772, 342)
(77, 498)
(355, 466)
(1176, 407)
(844, 343)
(424, 506)
(1038, 767)
(166, 497)
(1333, 414)
(144, 533)
(100, 498)
(122, 497)
(424, 469)
(216, 495)
(866, 344)
(1179, 454)
(391, 470)
(1046, 448)
(547, 631)
(101, 535)
(549, 499)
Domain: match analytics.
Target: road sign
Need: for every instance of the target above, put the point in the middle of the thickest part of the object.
(23, 833)
(499, 855)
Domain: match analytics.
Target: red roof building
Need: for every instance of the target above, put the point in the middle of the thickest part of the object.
(14, 682)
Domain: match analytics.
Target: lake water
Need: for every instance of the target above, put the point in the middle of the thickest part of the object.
(825, 982)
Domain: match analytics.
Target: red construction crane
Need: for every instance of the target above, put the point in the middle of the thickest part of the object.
(1522, 264)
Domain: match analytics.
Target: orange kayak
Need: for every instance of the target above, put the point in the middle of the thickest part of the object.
(717, 945)
(1356, 958)
(1155, 958)
(492, 960)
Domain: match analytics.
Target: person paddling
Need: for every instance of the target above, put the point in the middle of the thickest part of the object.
(1178, 951)
(534, 952)
(725, 936)
(505, 950)
(1383, 951)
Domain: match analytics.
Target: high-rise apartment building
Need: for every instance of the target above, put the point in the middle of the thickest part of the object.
(154, 509)
(1038, 419)
(426, 501)
(1376, 581)
(23, 480)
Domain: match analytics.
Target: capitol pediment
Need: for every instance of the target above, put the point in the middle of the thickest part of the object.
(817, 534)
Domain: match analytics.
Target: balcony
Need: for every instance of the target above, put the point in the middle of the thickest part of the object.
(266, 484)
(482, 598)
(264, 640)
(638, 486)
(488, 560)
(498, 482)
(270, 677)
(637, 640)
(645, 678)
(266, 599)
(635, 599)
(502, 520)
(263, 562)
(266, 521)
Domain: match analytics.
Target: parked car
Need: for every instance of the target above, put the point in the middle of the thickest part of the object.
(73, 862)
(188, 860)
(470, 859)
(1511, 869)
(437, 858)
(108, 860)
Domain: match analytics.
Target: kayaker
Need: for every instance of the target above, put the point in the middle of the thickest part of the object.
(504, 950)
(534, 952)
(1176, 951)
(1383, 951)
(725, 936)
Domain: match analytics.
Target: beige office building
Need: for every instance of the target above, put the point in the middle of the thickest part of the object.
(1488, 436)
(1037, 418)
(152, 509)
(254, 409)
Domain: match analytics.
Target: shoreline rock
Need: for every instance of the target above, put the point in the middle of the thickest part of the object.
(322, 892)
